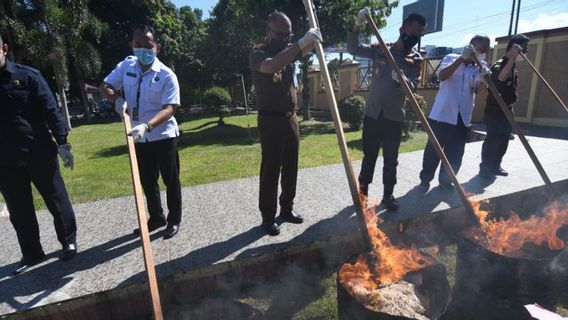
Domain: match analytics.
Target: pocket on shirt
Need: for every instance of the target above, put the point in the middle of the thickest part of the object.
(20, 100)
(155, 93)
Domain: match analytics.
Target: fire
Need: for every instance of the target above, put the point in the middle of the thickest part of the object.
(509, 237)
(385, 264)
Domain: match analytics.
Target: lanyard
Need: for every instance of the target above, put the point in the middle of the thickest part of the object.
(135, 113)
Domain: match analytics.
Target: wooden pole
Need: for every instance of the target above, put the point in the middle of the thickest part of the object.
(545, 82)
(509, 115)
(410, 97)
(353, 186)
(144, 235)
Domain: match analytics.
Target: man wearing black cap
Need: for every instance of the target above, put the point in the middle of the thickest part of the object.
(504, 76)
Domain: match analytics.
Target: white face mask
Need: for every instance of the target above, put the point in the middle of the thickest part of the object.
(519, 59)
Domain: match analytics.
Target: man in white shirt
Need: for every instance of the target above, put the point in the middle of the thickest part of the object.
(452, 110)
(151, 96)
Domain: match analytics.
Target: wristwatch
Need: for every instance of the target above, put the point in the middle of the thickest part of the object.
(150, 127)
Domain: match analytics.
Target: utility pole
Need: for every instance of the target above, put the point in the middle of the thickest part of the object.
(512, 15)
(518, 14)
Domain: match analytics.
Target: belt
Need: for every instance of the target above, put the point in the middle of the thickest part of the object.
(286, 115)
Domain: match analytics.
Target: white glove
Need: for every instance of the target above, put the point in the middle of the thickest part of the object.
(66, 155)
(467, 53)
(120, 106)
(362, 16)
(311, 36)
(394, 76)
(139, 131)
(484, 71)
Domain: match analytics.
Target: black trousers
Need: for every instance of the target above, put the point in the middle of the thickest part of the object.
(280, 144)
(497, 141)
(160, 158)
(452, 139)
(15, 185)
(379, 133)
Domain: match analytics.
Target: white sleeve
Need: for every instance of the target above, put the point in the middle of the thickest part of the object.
(446, 61)
(114, 79)
(170, 94)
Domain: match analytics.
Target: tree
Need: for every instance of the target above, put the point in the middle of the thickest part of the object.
(219, 99)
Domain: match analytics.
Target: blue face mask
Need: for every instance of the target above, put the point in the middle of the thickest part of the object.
(145, 56)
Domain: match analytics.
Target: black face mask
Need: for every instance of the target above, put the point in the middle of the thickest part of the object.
(409, 41)
(277, 45)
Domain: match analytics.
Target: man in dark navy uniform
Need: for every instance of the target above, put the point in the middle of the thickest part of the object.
(29, 123)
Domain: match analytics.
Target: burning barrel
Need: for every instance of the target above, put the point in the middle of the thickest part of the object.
(507, 264)
(420, 294)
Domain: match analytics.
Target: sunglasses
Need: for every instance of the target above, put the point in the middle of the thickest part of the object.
(282, 35)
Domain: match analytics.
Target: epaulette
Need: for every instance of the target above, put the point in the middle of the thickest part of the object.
(130, 58)
(27, 68)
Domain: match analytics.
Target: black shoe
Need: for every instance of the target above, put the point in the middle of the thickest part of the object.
(171, 231)
(152, 225)
(390, 203)
(292, 217)
(424, 186)
(500, 172)
(271, 227)
(364, 189)
(25, 264)
(69, 251)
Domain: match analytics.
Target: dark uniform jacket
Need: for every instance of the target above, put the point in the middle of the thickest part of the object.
(28, 111)
(386, 95)
(275, 92)
(507, 88)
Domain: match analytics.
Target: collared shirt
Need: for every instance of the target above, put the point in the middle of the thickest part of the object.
(275, 92)
(386, 95)
(507, 88)
(457, 93)
(146, 93)
(29, 116)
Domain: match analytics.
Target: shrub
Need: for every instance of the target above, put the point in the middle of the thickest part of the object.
(351, 111)
(219, 99)
(411, 120)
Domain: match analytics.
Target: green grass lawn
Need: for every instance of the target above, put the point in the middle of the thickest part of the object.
(208, 153)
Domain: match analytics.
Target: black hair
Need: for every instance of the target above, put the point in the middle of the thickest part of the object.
(519, 39)
(414, 17)
(148, 29)
(480, 38)
(277, 16)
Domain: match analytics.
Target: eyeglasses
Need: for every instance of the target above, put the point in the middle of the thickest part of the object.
(282, 35)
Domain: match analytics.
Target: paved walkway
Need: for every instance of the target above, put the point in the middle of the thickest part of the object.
(221, 223)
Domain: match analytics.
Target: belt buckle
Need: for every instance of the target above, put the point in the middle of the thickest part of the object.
(289, 114)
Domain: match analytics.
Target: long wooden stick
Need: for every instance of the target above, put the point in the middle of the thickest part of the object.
(353, 187)
(144, 235)
(410, 97)
(545, 82)
(509, 115)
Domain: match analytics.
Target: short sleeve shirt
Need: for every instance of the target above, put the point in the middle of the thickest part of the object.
(275, 92)
(507, 88)
(457, 93)
(146, 93)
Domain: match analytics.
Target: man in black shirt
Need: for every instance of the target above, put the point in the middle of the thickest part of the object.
(29, 122)
(504, 76)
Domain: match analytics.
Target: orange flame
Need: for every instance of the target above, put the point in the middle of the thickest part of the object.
(509, 237)
(385, 264)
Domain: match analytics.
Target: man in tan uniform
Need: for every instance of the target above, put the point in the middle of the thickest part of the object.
(272, 66)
